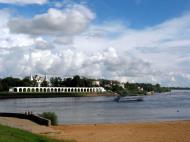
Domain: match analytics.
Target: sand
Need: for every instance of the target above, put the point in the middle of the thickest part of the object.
(176, 131)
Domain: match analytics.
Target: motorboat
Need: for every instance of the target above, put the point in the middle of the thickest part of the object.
(128, 98)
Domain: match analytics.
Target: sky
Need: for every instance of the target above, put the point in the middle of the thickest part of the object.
(128, 40)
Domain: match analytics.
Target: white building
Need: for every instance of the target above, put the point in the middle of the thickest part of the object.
(95, 83)
(57, 90)
(39, 79)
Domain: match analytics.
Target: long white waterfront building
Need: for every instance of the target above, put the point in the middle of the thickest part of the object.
(57, 90)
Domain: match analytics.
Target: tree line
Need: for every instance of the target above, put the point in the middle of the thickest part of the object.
(75, 81)
(78, 81)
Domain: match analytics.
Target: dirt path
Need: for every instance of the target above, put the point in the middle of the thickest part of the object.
(178, 131)
(26, 125)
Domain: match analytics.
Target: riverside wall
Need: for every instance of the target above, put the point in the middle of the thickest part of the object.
(34, 118)
(7, 95)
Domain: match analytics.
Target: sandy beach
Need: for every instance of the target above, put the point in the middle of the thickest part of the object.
(176, 131)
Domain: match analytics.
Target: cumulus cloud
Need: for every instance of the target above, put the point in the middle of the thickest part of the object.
(70, 21)
(42, 44)
(8, 40)
(23, 2)
(164, 48)
(157, 54)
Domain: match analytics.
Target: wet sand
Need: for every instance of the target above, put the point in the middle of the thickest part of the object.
(176, 131)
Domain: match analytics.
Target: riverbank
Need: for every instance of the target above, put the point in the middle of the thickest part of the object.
(26, 125)
(173, 131)
(8, 134)
(176, 131)
(7, 95)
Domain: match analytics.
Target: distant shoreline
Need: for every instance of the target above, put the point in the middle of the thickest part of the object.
(7, 95)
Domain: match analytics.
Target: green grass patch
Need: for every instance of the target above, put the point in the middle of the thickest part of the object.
(8, 134)
(51, 116)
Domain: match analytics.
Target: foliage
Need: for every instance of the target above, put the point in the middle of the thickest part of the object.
(77, 81)
(8, 134)
(51, 116)
(56, 81)
(44, 83)
(180, 88)
(117, 89)
(26, 82)
(132, 88)
(8, 82)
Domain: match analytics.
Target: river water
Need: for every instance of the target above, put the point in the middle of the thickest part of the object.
(160, 107)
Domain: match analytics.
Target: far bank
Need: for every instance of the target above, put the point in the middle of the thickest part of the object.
(7, 95)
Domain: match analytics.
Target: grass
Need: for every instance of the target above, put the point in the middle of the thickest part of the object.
(51, 116)
(8, 134)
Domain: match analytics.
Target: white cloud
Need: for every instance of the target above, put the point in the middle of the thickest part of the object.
(158, 54)
(70, 21)
(23, 2)
(8, 40)
(42, 44)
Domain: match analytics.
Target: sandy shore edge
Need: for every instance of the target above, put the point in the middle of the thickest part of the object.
(169, 131)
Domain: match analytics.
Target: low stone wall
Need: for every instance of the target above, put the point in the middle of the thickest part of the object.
(35, 118)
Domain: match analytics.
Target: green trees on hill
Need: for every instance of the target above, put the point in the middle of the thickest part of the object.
(8, 82)
(77, 81)
(56, 81)
(132, 88)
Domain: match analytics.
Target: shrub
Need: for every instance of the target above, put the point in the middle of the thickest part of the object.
(51, 116)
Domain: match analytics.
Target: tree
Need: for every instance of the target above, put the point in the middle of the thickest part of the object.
(67, 82)
(118, 89)
(1, 87)
(27, 82)
(76, 81)
(56, 81)
(44, 84)
(10, 82)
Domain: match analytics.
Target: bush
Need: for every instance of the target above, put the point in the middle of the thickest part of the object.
(51, 116)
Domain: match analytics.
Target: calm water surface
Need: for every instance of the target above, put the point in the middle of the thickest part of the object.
(160, 107)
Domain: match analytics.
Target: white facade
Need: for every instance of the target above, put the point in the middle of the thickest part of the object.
(56, 89)
(38, 79)
(96, 83)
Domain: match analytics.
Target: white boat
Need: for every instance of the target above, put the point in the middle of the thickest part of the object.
(128, 98)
